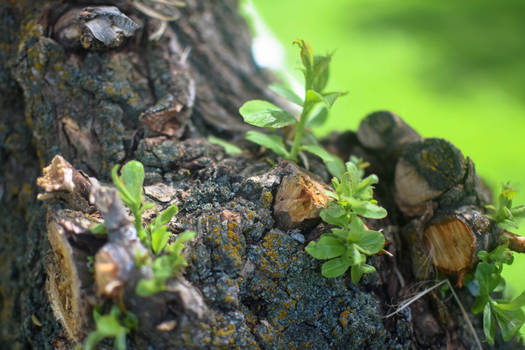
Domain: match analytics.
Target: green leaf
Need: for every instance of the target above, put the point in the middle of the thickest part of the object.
(123, 192)
(356, 273)
(333, 163)
(488, 277)
(321, 72)
(108, 325)
(229, 148)
(306, 54)
(316, 117)
(334, 214)
(120, 341)
(93, 339)
(131, 321)
(133, 178)
(371, 242)
(146, 288)
(326, 248)
(509, 321)
(98, 229)
(369, 210)
(159, 239)
(178, 245)
(514, 304)
(488, 324)
(335, 267)
(329, 98)
(165, 216)
(480, 303)
(273, 142)
(311, 99)
(367, 268)
(286, 93)
(264, 114)
(341, 233)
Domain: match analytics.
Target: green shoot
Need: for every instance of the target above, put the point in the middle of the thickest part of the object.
(503, 212)
(169, 258)
(348, 245)
(165, 266)
(112, 325)
(487, 279)
(314, 110)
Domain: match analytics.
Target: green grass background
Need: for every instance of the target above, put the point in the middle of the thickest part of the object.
(451, 69)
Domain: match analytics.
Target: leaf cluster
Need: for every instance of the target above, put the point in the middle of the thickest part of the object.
(486, 280)
(314, 111)
(155, 236)
(348, 245)
(164, 258)
(112, 325)
(504, 213)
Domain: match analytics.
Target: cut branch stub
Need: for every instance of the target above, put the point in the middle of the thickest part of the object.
(299, 199)
(451, 245)
(425, 171)
(69, 280)
(386, 131)
(453, 241)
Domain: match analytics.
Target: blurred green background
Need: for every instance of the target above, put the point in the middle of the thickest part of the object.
(451, 69)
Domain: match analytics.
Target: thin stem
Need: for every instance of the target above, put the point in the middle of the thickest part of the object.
(299, 132)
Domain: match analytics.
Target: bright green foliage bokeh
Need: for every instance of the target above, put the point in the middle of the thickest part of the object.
(486, 280)
(348, 245)
(451, 69)
(112, 325)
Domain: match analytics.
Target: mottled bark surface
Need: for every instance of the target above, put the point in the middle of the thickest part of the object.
(156, 101)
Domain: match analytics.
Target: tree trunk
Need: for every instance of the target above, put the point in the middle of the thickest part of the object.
(102, 94)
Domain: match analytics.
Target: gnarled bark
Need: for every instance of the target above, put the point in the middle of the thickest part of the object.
(249, 283)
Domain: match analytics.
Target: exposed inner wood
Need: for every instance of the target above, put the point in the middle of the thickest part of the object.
(450, 244)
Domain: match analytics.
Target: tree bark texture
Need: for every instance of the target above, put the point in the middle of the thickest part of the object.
(249, 283)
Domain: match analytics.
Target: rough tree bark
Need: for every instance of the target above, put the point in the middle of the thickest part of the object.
(249, 283)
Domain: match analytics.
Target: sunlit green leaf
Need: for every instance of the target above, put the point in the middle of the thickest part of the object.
(514, 304)
(509, 321)
(333, 163)
(229, 148)
(306, 54)
(488, 324)
(286, 93)
(166, 215)
(329, 98)
(488, 277)
(159, 238)
(273, 142)
(264, 114)
(371, 242)
(356, 273)
(321, 72)
(132, 175)
(326, 248)
(316, 117)
(371, 211)
(334, 214)
(335, 267)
